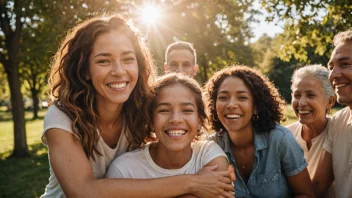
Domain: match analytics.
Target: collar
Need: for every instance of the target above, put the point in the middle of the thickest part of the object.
(260, 141)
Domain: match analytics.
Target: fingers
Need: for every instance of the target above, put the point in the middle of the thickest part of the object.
(231, 172)
(228, 194)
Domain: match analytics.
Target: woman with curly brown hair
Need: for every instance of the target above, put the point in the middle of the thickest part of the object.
(100, 79)
(245, 109)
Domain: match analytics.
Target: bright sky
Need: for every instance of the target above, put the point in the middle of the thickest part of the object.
(262, 27)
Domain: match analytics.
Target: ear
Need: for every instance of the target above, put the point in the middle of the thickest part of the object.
(166, 68)
(331, 102)
(88, 77)
(195, 70)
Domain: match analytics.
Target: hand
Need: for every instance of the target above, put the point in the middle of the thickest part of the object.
(211, 183)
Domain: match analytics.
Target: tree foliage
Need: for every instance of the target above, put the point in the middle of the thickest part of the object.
(309, 24)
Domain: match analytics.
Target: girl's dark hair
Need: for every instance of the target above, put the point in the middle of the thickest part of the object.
(267, 100)
(186, 81)
(76, 96)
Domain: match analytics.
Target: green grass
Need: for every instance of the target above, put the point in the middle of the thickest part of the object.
(23, 177)
(27, 177)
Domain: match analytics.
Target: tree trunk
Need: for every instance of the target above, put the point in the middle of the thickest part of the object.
(20, 141)
(35, 100)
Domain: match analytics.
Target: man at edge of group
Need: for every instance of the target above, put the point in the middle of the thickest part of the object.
(336, 160)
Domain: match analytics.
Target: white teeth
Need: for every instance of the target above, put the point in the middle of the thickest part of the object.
(176, 132)
(118, 85)
(340, 85)
(233, 116)
(303, 112)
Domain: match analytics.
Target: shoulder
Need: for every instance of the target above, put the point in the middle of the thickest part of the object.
(279, 131)
(55, 118)
(343, 114)
(204, 144)
(294, 127)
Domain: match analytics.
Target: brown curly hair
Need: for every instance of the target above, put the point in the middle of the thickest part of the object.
(76, 96)
(267, 100)
(189, 83)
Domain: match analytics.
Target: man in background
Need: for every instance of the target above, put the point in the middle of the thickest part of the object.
(181, 57)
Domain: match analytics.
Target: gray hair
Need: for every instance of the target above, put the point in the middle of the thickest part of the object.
(342, 37)
(319, 72)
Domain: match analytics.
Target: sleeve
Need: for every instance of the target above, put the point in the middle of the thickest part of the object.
(114, 171)
(328, 139)
(210, 150)
(55, 118)
(291, 155)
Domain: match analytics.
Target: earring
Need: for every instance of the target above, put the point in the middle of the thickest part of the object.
(255, 117)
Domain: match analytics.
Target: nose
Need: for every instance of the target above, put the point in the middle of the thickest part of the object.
(175, 117)
(302, 101)
(118, 69)
(232, 103)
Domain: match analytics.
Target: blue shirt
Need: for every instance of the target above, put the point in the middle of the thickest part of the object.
(277, 156)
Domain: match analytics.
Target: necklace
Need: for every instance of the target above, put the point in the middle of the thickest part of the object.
(244, 166)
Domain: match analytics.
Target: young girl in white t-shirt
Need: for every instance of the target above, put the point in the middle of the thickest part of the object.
(178, 115)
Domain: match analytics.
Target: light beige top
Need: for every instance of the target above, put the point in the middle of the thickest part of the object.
(313, 154)
(55, 118)
(339, 143)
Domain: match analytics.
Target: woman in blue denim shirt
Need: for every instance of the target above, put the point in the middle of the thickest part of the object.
(244, 108)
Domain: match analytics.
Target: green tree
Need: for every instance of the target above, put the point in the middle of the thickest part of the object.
(309, 24)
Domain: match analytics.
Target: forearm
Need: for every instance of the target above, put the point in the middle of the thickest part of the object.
(160, 187)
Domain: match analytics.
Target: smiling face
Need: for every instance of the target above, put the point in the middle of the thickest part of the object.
(113, 68)
(309, 101)
(175, 118)
(340, 66)
(181, 60)
(234, 105)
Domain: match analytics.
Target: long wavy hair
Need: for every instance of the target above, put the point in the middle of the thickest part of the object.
(76, 96)
(189, 83)
(267, 100)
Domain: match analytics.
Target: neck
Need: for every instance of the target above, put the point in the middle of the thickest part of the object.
(310, 131)
(168, 159)
(242, 139)
(108, 114)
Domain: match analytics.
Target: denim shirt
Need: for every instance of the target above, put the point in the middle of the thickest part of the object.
(277, 156)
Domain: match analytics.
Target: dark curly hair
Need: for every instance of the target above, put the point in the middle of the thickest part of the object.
(267, 100)
(189, 83)
(76, 96)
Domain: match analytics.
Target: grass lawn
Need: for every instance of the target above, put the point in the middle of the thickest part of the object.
(23, 177)
(27, 177)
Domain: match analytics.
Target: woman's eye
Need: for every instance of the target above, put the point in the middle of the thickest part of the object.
(163, 110)
(130, 59)
(242, 98)
(188, 110)
(103, 61)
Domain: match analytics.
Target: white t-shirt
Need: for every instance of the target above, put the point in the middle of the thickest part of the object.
(55, 118)
(338, 142)
(139, 163)
(313, 154)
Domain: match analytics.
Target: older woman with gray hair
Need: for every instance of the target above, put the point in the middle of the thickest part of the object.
(312, 99)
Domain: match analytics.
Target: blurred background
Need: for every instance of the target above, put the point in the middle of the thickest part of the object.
(273, 36)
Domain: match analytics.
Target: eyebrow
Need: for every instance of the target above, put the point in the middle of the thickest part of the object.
(109, 54)
(239, 92)
(168, 104)
(341, 59)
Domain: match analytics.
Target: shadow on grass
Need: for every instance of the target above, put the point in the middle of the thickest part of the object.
(25, 177)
